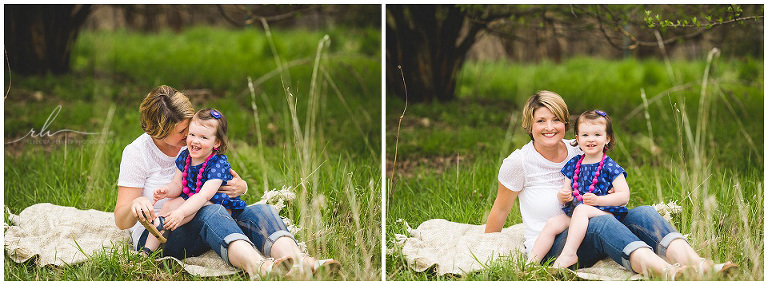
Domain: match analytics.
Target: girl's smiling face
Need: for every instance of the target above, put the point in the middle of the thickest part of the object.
(592, 137)
(547, 129)
(201, 139)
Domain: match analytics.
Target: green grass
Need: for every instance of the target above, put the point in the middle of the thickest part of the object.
(449, 154)
(335, 169)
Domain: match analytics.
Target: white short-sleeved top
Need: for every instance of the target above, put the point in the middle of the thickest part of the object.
(145, 166)
(538, 180)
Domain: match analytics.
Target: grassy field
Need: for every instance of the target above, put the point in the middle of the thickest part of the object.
(312, 124)
(693, 135)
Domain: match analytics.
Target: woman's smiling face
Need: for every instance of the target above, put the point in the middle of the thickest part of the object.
(547, 129)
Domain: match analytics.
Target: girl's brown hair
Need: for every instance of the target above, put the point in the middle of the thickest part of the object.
(204, 117)
(162, 109)
(596, 115)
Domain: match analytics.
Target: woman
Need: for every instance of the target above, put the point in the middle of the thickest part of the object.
(642, 242)
(148, 163)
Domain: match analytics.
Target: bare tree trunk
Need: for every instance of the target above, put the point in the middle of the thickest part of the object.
(428, 42)
(39, 38)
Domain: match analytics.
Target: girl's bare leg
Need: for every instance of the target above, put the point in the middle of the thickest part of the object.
(576, 233)
(555, 225)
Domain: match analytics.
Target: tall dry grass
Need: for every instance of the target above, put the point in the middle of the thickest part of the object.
(351, 233)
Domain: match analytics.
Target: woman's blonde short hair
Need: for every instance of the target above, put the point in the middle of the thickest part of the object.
(549, 100)
(162, 109)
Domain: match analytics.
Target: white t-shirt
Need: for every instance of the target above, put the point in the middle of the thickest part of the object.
(144, 166)
(538, 180)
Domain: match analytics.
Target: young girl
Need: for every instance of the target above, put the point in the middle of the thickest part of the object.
(589, 179)
(201, 169)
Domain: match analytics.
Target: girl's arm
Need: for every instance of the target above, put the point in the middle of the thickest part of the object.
(619, 197)
(193, 204)
(505, 199)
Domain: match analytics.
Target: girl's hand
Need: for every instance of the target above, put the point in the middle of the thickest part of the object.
(173, 220)
(235, 187)
(564, 195)
(160, 193)
(591, 199)
(143, 209)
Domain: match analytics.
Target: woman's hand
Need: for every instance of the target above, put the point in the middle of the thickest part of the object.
(173, 220)
(142, 208)
(234, 187)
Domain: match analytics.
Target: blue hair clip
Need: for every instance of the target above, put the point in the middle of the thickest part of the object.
(215, 114)
(601, 113)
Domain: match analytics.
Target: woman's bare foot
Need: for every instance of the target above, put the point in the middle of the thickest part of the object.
(709, 267)
(565, 260)
(325, 266)
(674, 272)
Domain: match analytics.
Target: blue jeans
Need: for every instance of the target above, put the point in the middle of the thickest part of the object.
(643, 227)
(214, 228)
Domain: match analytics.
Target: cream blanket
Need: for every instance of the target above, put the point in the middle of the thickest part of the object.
(456, 248)
(58, 235)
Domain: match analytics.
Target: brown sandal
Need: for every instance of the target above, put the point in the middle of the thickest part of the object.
(329, 267)
(279, 267)
(155, 230)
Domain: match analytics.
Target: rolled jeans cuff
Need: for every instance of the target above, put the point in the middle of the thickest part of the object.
(273, 237)
(661, 250)
(631, 247)
(228, 240)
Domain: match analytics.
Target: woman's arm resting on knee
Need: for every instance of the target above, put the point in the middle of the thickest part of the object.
(505, 199)
(235, 187)
(129, 206)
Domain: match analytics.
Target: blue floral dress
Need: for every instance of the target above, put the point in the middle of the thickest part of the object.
(608, 173)
(217, 168)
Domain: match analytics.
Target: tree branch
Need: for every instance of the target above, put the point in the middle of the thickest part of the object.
(226, 17)
(272, 18)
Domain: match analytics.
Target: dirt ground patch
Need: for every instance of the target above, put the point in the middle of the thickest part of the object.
(439, 164)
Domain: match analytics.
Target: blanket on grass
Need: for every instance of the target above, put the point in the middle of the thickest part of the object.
(57, 235)
(457, 249)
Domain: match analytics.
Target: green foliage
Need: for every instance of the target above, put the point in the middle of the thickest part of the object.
(449, 155)
(680, 18)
